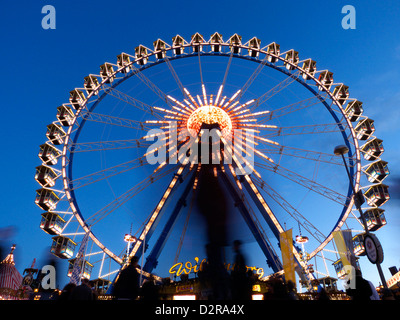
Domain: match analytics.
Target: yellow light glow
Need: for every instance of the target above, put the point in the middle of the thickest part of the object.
(185, 297)
(209, 115)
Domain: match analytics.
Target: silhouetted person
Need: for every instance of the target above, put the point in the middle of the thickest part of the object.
(127, 284)
(362, 290)
(149, 289)
(82, 292)
(240, 279)
(291, 289)
(66, 292)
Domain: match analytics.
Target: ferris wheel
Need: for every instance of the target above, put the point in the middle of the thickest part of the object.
(116, 159)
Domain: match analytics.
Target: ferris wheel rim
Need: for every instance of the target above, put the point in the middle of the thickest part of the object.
(66, 176)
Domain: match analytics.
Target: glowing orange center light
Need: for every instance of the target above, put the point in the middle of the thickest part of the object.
(209, 115)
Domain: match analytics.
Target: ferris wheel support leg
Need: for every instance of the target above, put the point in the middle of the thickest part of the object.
(268, 216)
(148, 229)
(272, 259)
(152, 259)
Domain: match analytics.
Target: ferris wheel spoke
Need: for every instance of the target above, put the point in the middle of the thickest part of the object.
(302, 153)
(275, 90)
(151, 86)
(293, 107)
(119, 201)
(108, 145)
(306, 129)
(107, 173)
(293, 212)
(305, 182)
(130, 100)
(115, 121)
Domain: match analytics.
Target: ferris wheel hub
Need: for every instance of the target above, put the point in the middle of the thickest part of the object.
(209, 115)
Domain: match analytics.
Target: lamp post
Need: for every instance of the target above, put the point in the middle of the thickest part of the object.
(372, 245)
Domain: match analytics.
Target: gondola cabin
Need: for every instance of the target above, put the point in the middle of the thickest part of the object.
(63, 247)
(234, 43)
(377, 171)
(101, 285)
(373, 149)
(49, 154)
(107, 72)
(177, 43)
(123, 61)
(159, 48)
(375, 218)
(91, 84)
(216, 40)
(358, 244)
(46, 199)
(197, 40)
(377, 195)
(52, 223)
(141, 55)
(354, 110)
(45, 176)
(65, 115)
(77, 98)
(55, 134)
(292, 57)
(326, 79)
(341, 93)
(364, 129)
(310, 67)
(341, 270)
(87, 268)
(274, 49)
(254, 47)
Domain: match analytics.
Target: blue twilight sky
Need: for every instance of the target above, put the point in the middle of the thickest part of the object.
(40, 67)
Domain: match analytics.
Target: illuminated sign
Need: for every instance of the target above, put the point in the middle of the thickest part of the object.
(187, 268)
(393, 280)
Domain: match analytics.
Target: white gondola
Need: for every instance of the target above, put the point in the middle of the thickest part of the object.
(77, 98)
(63, 247)
(45, 176)
(107, 72)
(341, 93)
(377, 171)
(159, 48)
(310, 67)
(216, 40)
(65, 115)
(375, 218)
(291, 57)
(197, 40)
(55, 134)
(141, 55)
(49, 154)
(177, 43)
(52, 223)
(373, 149)
(326, 79)
(275, 49)
(254, 47)
(234, 43)
(364, 129)
(91, 84)
(124, 62)
(46, 199)
(377, 195)
(354, 110)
